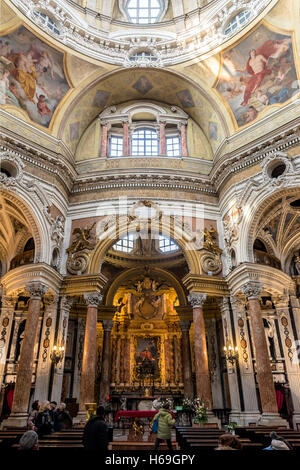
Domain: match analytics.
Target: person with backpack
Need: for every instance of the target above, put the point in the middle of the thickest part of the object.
(62, 419)
(43, 421)
(165, 424)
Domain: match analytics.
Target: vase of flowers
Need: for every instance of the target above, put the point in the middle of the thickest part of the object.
(200, 412)
(187, 405)
(230, 427)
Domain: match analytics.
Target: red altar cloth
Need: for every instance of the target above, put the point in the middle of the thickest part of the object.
(137, 414)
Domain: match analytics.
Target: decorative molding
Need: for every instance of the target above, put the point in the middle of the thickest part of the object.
(193, 39)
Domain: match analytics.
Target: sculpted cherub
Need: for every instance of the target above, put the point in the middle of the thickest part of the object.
(82, 240)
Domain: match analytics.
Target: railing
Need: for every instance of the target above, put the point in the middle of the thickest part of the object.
(262, 257)
(24, 258)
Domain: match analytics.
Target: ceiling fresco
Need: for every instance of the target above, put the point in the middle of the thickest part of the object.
(32, 75)
(257, 73)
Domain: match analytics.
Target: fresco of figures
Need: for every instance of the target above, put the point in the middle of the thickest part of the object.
(258, 72)
(32, 75)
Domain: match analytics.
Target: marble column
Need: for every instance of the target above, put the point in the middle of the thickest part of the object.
(186, 359)
(162, 139)
(291, 358)
(251, 412)
(126, 145)
(46, 346)
(236, 413)
(184, 147)
(58, 372)
(87, 384)
(78, 358)
(6, 322)
(106, 365)
(104, 140)
(203, 385)
(19, 410)
(252, 291)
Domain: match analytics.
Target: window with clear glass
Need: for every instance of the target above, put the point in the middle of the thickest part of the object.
(142, 54)
(116, 146)
(47, 21)
(166, 245)
(144, 143)
(237, 21)
(144, 11)
(173, 146)
(125, 244)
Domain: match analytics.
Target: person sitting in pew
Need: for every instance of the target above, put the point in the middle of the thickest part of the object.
(229, 442)
(278, 443)
(29, 441)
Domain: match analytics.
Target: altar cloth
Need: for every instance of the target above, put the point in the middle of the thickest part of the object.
(137, 414)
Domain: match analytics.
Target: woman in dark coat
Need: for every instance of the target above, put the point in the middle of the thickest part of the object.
(62, 419)
(43, 420)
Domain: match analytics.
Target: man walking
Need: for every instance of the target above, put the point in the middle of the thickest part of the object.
(95, 434)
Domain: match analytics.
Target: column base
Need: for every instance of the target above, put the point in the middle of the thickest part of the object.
(16, 420)
(212, 419)
(296, 421)
(272, 419)
(80, 418)
(244, 418)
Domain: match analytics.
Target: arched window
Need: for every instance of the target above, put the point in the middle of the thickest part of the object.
(144, 143)
(166, 245)
(44, 19)
(125, 244)
(237, 21)
(144, 11)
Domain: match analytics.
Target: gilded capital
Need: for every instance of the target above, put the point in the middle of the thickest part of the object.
(252, 289)
(196, 300)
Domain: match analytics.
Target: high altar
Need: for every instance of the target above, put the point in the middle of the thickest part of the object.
(146, 342)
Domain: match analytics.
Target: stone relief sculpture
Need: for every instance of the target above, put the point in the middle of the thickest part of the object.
(78, 251)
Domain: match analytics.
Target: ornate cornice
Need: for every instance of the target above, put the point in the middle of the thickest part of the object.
(281, 139)
(209, 285)
(202, 30)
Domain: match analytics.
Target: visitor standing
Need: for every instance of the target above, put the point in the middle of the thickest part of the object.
(33, 414)
(95, 434)
(62, 418)
(43, 419)
(165, 424)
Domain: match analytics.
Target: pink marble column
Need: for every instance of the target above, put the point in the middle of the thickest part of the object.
(88, 372)
(186, 359)
(24, 376)
(126, 146)
(106, 364)
(203, 384)
(162, 141)
(252, 290)
(104, 141)
(184, 148)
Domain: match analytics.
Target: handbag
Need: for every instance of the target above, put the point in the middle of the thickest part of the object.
(154, 428)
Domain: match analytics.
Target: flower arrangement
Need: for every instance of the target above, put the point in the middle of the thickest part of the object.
(187, 404)
(168, 401)
(230, 427)
(200, 411)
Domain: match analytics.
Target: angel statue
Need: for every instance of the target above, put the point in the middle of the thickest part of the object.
(82, 240)
(209, 238)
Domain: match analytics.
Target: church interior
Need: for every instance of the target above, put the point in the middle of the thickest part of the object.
(150, 209)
